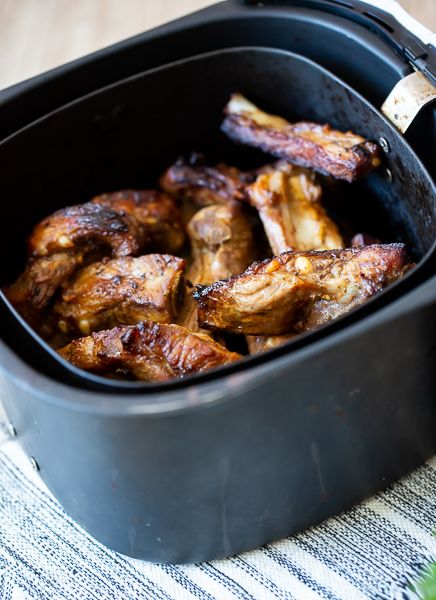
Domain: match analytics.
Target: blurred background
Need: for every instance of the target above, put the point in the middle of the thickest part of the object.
(36, 35)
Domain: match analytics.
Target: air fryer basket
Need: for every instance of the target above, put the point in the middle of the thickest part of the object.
(125, 135)
(225, 462)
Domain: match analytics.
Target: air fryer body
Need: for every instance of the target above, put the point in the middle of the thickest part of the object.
(238, 459)
(269, 455)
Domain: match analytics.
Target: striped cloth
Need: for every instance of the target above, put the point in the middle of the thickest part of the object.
(372, 551)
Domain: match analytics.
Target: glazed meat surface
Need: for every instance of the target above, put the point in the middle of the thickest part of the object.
(205, 185)
(148, 351)
(156, 214)
(288, 200)
(121, 224)
(344, 155)
(222, 245)
(126, 222)
(58, 245)
(122, 291)
(34, 288)
(291, 212)
(302, 289)
(82, 228)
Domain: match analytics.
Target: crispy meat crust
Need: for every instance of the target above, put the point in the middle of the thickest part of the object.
(34, 288)
(148, 351)
(288, 200)
(122, 291)
(156, 214)
(204, 185)
(121, 224)
(291, 212)
(83, 227)
(298, 289)
(344, 155)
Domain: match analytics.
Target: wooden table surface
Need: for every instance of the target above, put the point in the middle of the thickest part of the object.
(36, 35)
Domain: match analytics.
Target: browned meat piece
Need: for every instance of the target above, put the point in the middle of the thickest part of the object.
(222, 245)
(288, 201)
(121, 223)
(291, 212)
(148, 351)
(126, 222)
(85, 227)
(364, 239)
(58, 245)
(344, 155)
(193, 180)
(122, 291)
(156, 214)
(272, 296)
(40, 280)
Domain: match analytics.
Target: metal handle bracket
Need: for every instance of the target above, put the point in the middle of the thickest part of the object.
(407, 98)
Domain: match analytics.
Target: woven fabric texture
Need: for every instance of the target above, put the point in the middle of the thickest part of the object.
(372, 551)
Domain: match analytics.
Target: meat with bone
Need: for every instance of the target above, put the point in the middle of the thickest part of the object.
(121, 224)
(122, 291)
(83, 227)
(344, 155)
(34, 288)
(291, 212)
(273, 296)
(57, 247)
(156, 214)
(288, 200)
(204, 185)
(85, 273)
(148, 351)
(221, 241)
(222, 245)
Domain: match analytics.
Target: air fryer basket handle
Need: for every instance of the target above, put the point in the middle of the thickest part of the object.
(418, 52)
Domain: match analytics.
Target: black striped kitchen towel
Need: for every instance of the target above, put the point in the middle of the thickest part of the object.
(383, 548)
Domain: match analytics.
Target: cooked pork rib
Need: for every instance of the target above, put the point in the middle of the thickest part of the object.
(149, 351)
(222, 245)
(156, 214)
(84, 227)
(344, 155)
(204, 185)
(122, 291)
(121, 224)
(292, 215)
(58, 245)
(274, 296)
(34, 288)
(288, 200)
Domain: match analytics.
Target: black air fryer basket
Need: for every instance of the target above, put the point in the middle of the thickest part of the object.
(222, 462)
